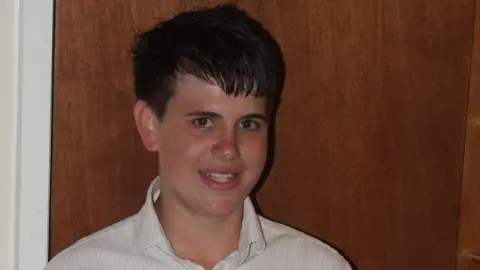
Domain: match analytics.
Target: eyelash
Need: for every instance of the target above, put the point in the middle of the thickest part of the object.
(197, 124)
(256, 124)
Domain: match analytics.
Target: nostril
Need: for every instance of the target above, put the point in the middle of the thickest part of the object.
(225, 150)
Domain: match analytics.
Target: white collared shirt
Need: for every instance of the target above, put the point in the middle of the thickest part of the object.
(140, 243)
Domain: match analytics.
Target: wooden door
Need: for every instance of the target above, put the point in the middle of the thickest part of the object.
(469, 234)
(370, 136)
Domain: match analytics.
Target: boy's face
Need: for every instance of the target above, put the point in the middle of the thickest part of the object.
(211, 147)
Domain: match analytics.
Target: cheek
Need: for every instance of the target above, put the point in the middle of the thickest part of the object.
(195, 150)
(182, 150)
(254, 150)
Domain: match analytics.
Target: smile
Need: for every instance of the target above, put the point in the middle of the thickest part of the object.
(219, 177)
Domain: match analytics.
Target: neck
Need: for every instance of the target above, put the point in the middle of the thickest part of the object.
(205, 240)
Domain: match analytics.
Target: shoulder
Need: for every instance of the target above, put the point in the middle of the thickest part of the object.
(306, 251)
(96, 249)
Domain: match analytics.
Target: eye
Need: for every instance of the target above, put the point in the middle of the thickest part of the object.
(250, 124)
(203, 123)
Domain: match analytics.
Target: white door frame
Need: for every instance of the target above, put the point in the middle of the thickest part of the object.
(35, 50)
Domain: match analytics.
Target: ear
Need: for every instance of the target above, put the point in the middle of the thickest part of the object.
(147, 123)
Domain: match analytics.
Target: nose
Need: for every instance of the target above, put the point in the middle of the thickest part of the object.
(226, 147)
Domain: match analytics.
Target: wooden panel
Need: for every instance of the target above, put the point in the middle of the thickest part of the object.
(469, 237)
(371, 132)
(100, 171)
(369, 140)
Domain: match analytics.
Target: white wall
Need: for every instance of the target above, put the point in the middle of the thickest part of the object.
(25, 113)
(33, 136)
(8, 128)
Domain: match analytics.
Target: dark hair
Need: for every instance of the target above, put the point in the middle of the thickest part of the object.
(222, 45)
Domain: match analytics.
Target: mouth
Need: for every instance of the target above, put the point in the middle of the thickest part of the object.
(219, 177)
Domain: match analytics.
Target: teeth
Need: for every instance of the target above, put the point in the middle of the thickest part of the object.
(220, 177)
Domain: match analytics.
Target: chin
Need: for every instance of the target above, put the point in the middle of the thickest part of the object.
(223, 206)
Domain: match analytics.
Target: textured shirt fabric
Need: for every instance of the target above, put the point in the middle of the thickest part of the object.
(139, 243)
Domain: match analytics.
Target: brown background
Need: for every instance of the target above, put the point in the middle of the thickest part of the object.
(370, 137)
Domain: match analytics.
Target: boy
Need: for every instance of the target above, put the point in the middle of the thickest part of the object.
(208, 84)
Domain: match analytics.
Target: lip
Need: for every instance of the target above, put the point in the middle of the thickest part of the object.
(222, 171)
(232, 184)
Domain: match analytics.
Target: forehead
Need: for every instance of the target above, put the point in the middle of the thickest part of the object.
(194, 93)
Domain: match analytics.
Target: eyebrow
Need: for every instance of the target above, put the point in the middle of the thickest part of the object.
(216, 115)
(256, 116)
(204, 114)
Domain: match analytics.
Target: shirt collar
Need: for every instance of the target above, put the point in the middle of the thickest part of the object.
(149, 231)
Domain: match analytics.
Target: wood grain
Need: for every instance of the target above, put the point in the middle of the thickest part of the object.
(469, 236)
(100, 171)
(370, 135)
(371, 132)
